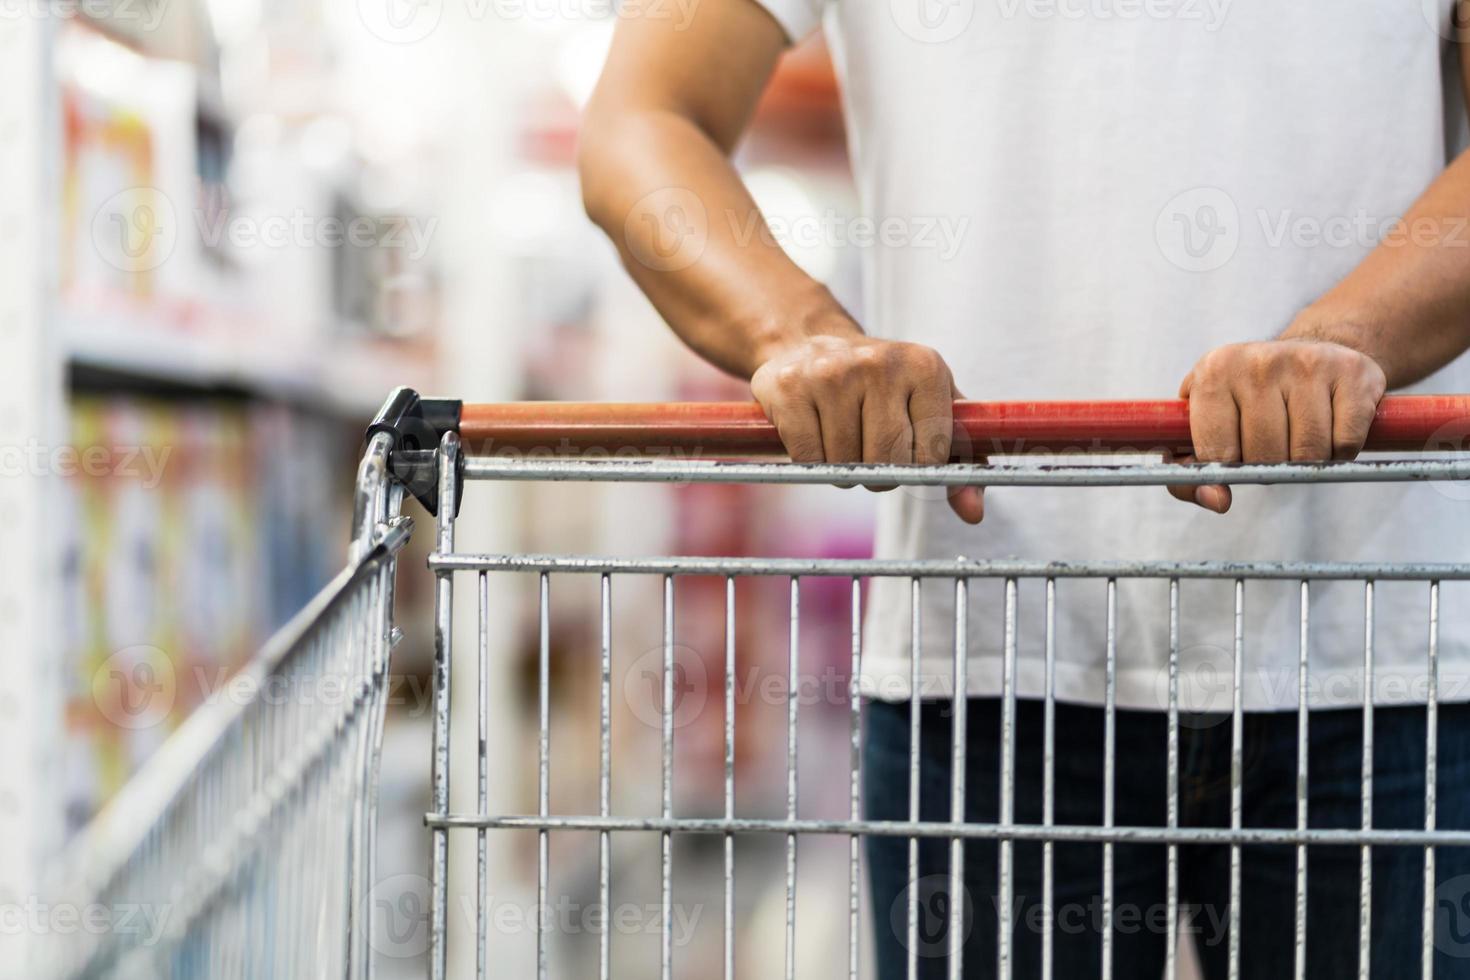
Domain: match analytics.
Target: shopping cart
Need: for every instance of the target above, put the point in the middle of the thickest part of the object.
(244, 847)
(256, 824)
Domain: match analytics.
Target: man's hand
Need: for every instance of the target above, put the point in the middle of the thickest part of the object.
(850, 398)
(1278, 401)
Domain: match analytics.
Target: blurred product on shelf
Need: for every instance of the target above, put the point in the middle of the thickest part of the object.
(198, 247)
(202, 253)
(198, 527)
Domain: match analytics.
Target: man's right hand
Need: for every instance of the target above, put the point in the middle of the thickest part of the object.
(654, 159)
(850, 398)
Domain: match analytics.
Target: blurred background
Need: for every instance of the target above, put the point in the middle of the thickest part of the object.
(233, 226)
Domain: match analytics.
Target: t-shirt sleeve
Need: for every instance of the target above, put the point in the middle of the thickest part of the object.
(797, 17)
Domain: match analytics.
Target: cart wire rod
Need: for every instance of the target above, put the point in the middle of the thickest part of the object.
(1375, 837)
(118, 832)
(954, 568)
(206, 880)
(1010, 474)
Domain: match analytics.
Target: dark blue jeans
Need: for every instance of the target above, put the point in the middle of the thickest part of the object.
(1268, 872)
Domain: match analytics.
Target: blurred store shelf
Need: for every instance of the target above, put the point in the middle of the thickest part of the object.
(341, 379)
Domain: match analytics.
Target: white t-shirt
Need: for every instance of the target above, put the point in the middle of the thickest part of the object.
(1128, 184)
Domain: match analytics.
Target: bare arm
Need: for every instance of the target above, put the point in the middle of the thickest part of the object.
(1401, 315)
(1407, 305)
(656, 176)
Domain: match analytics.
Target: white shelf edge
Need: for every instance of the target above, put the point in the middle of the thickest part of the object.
(205, 362)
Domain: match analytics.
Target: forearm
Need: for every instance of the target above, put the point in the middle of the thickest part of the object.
(694, 241)
(1407, 305)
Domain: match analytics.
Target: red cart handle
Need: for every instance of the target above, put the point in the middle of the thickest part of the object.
(1405, 423)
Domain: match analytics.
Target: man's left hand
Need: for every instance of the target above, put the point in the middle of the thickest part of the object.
(1277, 401)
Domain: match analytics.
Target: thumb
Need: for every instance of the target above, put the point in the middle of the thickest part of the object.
(1213, 497)
(968, 503)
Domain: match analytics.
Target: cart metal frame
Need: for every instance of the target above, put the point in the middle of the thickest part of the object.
(269, 774)
(226, 835)
(533, 442)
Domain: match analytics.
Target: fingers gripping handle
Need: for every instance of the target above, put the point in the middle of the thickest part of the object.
(690, 430)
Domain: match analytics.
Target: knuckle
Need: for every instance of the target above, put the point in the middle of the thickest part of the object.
(789, 377)
(1217, 365)
(1308, 364)
(1207, 398)
(1261, 369)
(1316, 357)
(869, 359)
(1371, 379)
(925, 359)
(826, 369)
